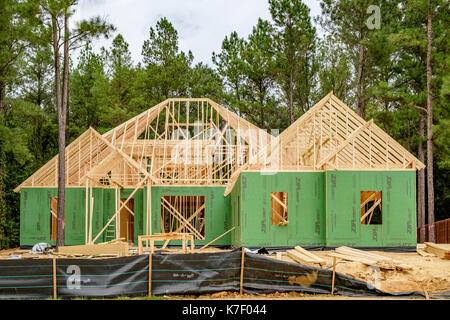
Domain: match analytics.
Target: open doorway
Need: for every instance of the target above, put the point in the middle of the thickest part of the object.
(126, 220)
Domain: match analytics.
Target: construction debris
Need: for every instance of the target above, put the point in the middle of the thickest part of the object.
(440, 250)
(301, 255)
(369, 259)
(420, 249)
(316, 259)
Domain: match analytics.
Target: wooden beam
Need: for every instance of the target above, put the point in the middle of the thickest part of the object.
(345, 143)
(212, 241)
(370, 210)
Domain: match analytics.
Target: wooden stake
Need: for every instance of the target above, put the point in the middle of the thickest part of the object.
(55, 295)
(334, 273)
(149, 274)
(242, 271)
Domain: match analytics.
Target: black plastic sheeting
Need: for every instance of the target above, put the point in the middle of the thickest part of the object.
(176, 274)
(320, 248)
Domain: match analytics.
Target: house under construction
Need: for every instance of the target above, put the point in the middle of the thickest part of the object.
(192, 166)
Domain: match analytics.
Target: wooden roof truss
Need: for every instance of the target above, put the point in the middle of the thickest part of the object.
(331, 136)
(177, 142)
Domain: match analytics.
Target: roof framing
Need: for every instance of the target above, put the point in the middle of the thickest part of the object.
(199, 142)
(179, 141)
(331, 136)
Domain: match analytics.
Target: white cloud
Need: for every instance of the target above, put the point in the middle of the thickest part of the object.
(201, 24)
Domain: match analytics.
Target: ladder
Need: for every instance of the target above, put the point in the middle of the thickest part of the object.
(111, 231)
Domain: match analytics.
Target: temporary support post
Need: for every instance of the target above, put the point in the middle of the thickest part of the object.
(149, 210)
(87, 213)
(206, 245)
(91, 212)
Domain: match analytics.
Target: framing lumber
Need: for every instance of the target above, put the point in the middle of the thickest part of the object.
(311, 255)
(379, 260)
(328, 136)
(365, 261)
(119, 248)
(299, 257)
(440, 250)
(212, 241)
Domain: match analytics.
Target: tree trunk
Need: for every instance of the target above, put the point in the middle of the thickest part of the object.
(291, 96)
(432, 235)
(1, 206)
(359, 104)
(421, 182)
(2, 94)
(291, 74)
(61, 191)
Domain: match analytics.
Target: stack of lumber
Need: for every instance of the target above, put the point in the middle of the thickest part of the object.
(113, 248)
(420, 249)
(440, 250)
(368, 258)
(301, 255)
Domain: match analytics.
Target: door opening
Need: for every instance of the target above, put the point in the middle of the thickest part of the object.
(126, 220)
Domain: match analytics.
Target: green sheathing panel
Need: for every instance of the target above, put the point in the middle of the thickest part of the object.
(217, 211)
(35, 215)
(398, 198)
(306, 208)
(75, 216)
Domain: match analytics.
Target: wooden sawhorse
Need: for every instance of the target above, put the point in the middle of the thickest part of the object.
(166, 236)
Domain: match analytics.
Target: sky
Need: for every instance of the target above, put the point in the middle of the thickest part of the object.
(201, 24)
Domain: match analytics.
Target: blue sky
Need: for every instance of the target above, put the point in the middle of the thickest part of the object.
(201, 24)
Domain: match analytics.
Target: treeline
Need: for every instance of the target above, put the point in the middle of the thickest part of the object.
(377, 56)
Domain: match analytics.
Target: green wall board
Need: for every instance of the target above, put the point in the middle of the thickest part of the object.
(217, 210)
(398, 200)
(306, 209)
(35, 216)
(323, 210)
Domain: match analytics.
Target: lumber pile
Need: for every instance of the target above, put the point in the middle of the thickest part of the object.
(113, 248)
(440, 250)
(301, 255)
(420, 249)
(368, 258)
